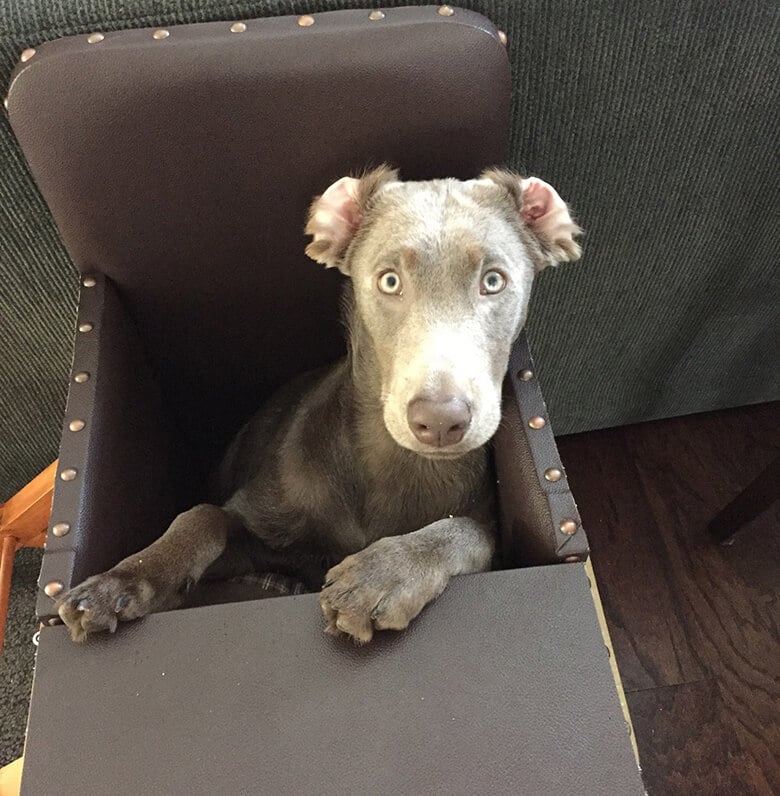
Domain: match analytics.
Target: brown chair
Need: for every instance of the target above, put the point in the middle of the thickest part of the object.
(178, 165)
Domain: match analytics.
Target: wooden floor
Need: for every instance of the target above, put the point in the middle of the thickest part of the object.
(694, 624)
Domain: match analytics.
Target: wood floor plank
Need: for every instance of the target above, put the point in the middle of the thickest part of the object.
(650, 639)
(731, 622)
(688, 745)
(682, 609)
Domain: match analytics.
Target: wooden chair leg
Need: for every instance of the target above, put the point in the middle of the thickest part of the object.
(23, 522)
(11, 778)
(755, 499)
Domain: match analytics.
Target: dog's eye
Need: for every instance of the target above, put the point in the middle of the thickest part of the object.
(492, 282)
(390, 283)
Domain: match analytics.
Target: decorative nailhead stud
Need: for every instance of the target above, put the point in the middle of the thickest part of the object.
(553, 474)
(86, 327)
(5, 102)
(572, 559)
(237, 27)
(60, 529)
(502, 37)
(68, 474)
(27, 54)
(537, 422)
(161, 34)
(568, 527)
(89, 281)
(76, 425)
(306, 21)
(81, 377)
(52, 588)
(446, 11)
(95, 38)
(525, 375)
(376, 15)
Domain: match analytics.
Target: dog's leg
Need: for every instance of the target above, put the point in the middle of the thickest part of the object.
(151, 580)
(386, 585)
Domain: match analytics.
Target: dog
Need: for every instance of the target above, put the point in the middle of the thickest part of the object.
(373, 476)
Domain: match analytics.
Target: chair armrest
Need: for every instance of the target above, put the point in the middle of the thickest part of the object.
(491, 690)
(539, 520)
(118, 481)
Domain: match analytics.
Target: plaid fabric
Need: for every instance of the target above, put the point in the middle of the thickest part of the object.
(281, 585)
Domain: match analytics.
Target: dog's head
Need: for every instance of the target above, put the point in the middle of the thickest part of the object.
(442, 274)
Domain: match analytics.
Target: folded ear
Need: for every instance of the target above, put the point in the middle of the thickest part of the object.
(545, 214)
(336, 216)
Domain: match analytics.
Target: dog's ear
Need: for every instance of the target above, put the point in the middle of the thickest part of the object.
(544, 213)
(336, 216)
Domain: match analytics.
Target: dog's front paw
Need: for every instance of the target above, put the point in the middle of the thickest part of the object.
(382, 587)
(102, 601)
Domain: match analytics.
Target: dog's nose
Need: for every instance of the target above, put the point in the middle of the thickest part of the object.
(439, 422)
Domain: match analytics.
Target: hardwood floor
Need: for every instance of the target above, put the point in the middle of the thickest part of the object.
(694, 624)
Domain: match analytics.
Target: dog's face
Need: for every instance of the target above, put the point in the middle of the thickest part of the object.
(442, 275)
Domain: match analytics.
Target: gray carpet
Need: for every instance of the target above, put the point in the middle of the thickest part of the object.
(18, 658)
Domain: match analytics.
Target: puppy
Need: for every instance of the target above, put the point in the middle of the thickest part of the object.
(373, 474)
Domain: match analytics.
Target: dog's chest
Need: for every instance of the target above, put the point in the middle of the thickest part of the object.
(405, 500)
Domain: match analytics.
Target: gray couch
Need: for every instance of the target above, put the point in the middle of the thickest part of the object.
(657, 120)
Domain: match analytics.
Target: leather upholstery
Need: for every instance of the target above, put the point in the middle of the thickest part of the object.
(182, 168)
(502, 686)
(130, 465)
(533, 508)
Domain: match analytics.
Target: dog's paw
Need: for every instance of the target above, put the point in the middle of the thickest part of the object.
(102, 601)
(382, 587)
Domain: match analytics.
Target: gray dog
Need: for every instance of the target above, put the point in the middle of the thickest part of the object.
(374, 473)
